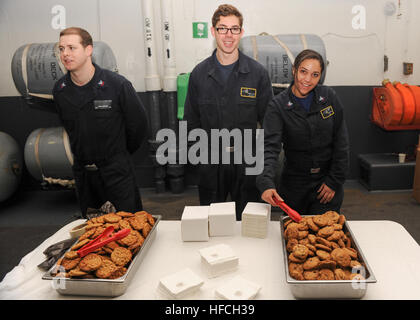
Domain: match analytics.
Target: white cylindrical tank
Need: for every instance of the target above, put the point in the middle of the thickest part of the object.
(10, 166)
(278, 52)
(48, 154)
(36, 67)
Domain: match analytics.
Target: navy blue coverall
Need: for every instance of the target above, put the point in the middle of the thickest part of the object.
(316, 148)
(106, 123)
(240, 103)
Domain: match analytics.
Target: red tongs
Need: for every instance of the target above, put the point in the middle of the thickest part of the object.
(101, 240)
(290, 212)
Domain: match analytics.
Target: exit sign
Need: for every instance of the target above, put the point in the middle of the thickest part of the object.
(200, 30)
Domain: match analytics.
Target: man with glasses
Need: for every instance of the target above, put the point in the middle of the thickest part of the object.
(228, 90)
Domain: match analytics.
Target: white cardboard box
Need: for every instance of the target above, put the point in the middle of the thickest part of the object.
(195, 223)
(222, 219)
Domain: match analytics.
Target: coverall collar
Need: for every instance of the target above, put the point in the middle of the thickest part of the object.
(319, 99)
(242, 64)
(97, 82)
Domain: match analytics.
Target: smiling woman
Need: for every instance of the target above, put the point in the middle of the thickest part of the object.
(307, 71)
(307, 120)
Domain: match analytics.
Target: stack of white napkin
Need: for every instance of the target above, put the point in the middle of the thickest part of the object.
(222, 219)
(218, 259)
(180, 284)
(255, 219)
(238, 289)
(195, 223)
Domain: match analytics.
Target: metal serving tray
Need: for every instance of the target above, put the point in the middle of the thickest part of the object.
(103, 287)
(329, 289)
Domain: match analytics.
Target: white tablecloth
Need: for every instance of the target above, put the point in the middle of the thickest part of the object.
(393, 255)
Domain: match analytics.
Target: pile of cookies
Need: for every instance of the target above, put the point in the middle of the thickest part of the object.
(319, 249)
(112, 260)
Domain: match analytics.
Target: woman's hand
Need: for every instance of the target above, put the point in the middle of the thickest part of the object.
(269, 195)
(325, 194)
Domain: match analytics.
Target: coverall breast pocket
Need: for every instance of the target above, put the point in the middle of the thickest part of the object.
(247, 113)
(208, 114)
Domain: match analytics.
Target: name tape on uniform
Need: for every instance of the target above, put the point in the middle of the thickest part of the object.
(248, 92)
(327, 112)
(103, 104)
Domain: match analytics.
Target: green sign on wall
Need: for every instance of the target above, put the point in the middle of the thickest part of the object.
(200, 30)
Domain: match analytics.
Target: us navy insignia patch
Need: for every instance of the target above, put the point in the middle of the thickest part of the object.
(327, 112)
(248, 92)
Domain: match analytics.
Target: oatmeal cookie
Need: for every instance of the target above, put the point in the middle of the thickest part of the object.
(291, 244)
(150, 219)
(93, 225)
(146, 229)
(76, 272)
(311, 275)
(325, 232)
(124, 214)
(341, 257)
(69, 264)
(352, 252)
(137, 222)
(322, 247)
(300, 251)
(339, 274)
(320, 220)
(332, 217)
(80, 244)
(112, 218)
(124, 224)
(312, 239)
(296, 271)
(71, 255)
(118, 273)
(106, 269)
(302, 234)
(323, 241)
(311, 263)
(323, 255)
(129, 240)
(326, 274)
(90, 262)
(327, 264)
(336, 235)
(312, 225)
(121, 256)
(341, 219)
(295, 259)
(291, 232)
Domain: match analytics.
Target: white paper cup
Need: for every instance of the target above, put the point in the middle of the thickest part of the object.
(77, 231)
(401, 157)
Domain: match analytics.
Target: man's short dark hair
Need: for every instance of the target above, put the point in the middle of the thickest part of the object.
(226, 10)
(84, 35)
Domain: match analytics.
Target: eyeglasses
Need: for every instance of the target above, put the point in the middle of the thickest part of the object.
(233, 30)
